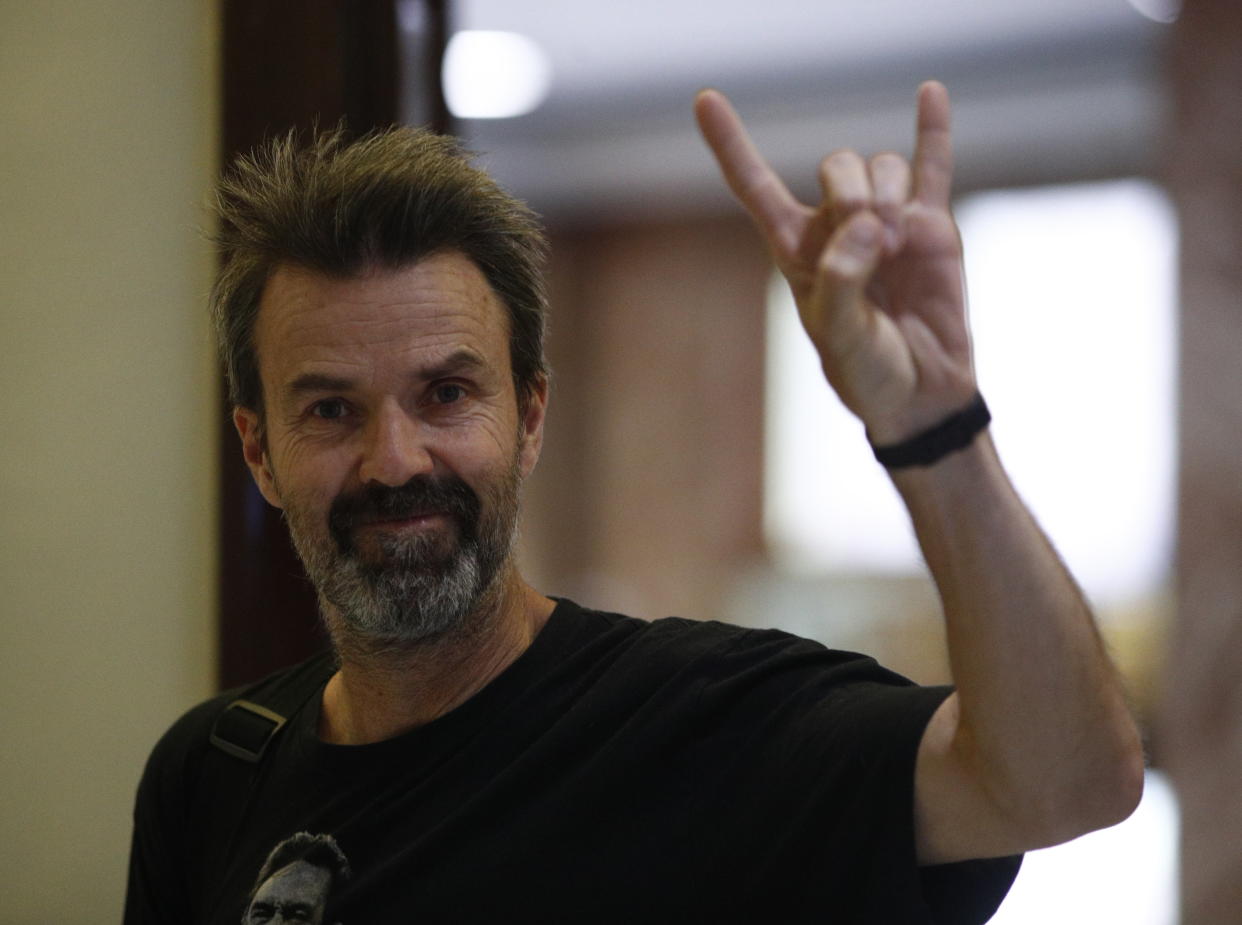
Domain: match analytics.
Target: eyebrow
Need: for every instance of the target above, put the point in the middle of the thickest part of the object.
(319, 382)
(461, 360)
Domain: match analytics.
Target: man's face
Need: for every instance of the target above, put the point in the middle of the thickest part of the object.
(295, 893)
(392, 439)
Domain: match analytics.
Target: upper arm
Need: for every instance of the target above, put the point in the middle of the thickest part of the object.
(956, 817)
(968, 805)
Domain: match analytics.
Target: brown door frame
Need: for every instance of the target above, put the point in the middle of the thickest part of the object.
(293, 64)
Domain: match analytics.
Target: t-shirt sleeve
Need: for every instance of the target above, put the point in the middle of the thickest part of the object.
(157, 889)
(152, 891)
(822, 784)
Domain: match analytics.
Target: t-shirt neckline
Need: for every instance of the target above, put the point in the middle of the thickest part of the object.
(463, 720)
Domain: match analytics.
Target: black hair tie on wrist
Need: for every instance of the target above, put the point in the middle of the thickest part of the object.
(954, 433)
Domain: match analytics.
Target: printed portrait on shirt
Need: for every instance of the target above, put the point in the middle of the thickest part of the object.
(296, 882)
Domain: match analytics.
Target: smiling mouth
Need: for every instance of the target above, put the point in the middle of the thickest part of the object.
(415, 519)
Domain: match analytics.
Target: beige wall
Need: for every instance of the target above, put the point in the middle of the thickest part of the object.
(107, 121)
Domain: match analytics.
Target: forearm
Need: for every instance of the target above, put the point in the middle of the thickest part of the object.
(1037, 744)
(1041, 720)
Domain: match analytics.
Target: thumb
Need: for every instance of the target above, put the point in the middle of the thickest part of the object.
(837, 314)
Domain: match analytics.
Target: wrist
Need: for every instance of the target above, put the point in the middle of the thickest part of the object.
(928, 447)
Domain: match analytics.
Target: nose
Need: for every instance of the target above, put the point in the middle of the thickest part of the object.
(394, 449)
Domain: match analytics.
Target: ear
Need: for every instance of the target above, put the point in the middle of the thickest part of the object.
(530, 437)
(250, 429)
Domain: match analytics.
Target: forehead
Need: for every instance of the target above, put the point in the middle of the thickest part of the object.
(438, 305)
(300, 881)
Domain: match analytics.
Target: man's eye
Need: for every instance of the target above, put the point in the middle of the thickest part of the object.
(329, 409)
(448, 392)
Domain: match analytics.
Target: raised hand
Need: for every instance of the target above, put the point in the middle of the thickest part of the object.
(875, 267)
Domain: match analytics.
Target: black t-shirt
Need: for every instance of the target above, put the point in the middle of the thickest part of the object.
(618, 771)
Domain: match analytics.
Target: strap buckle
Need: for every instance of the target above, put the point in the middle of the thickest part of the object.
(245, 729)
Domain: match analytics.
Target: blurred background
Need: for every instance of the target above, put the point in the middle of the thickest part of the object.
(695, 463)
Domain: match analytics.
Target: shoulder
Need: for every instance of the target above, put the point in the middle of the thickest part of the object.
(180, 749)
(677, 639)
(178, 756)
(736, 664)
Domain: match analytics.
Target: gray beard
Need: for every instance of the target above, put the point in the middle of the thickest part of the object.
(403, 602)
(422, 587)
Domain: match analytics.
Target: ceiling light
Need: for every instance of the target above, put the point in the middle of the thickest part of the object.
(1159, 10)
(494, 75)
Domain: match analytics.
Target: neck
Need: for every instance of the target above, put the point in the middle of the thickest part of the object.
(382, 691)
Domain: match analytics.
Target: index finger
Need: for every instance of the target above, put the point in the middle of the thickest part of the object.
(933, 149)
(748, 175)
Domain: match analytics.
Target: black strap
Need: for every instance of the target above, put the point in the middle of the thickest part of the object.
(230, 776)
(252, 721)
(244, 730)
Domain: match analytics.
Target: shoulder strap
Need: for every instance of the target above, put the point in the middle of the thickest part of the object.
(244, 729)
(232, 768)
(250, 722)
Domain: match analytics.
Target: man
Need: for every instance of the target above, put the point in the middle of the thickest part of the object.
(484, 752)
(296, 881)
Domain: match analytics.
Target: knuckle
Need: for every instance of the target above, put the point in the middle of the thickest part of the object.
(841, 163)
(843, 176)
(841, 156)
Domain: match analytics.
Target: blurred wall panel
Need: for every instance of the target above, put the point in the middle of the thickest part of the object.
(1200, 738)
(648, 495)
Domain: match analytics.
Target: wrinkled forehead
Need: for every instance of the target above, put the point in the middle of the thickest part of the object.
(440, 303)
(448, 281)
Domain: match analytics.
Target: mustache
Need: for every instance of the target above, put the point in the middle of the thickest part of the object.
(419, 496)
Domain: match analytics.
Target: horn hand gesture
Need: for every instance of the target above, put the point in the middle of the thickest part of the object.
(875, 266)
